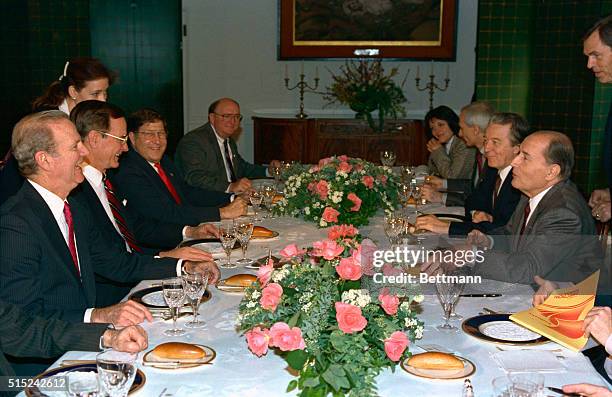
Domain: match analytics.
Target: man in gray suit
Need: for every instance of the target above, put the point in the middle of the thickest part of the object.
(208, 157)
(551, 232)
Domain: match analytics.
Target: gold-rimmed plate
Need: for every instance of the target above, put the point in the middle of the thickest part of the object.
(223, 286)
(151, 360)
(139, 380)
(443, 374)
(493, 328)
(275, 234)
(153, 297)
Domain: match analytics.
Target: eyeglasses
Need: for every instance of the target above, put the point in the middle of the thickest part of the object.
(228, 117)
(119, 138)
(148, 135)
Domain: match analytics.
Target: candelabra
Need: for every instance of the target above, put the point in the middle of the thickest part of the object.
(431, 86)
(303, 86)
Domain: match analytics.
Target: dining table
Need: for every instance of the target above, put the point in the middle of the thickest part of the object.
(235, 371)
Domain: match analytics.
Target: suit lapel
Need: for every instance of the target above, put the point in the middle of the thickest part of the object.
(153, 176)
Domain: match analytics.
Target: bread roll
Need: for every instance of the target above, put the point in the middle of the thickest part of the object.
(435, 360)
(411, 201)
(240, 280)
(260, 231)
(277, 198)
(179, 351)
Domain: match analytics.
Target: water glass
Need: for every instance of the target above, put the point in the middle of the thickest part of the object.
(194, 285)
(393, 226)
(174, 294)
(116, 372)
(255, 198)
(405, 192)
(526, 378)
(387, 158)
(82, 384)
(244, 230)
(227, 234)
(448, 289)
(503, 386)
(268, 192)
(277, 174)
(407, 173)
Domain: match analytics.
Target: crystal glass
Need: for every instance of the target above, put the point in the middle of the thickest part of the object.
(387, 158)
(277, 174)
(448, 287)
(255, 198)
(393, 226)
(404, 191)
(268, 192)
(194, 285)
(174, 294)
(244, 230)
(82, 384)
(528, 378)
(503, 386)
(407, 173)
(116, 372)
(227, 234)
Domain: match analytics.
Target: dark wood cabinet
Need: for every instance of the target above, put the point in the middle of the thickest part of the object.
(309, 140)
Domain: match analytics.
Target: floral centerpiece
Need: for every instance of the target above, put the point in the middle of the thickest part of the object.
(314, 312)
(339, 190)
(364, 87)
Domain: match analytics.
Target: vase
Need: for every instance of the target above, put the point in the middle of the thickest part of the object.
(367, 116)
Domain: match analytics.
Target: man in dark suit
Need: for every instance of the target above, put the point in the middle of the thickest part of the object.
(103, 131)
(208, 157)
(492, 203)
(473, 121)
(29, 336)
(148, 180)
(50, 248)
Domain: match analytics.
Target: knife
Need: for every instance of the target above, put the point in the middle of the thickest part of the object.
(480, 295)
(560, 391)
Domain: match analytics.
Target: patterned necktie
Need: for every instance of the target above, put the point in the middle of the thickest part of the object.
(228, 161)
(166, 180)
(498, 182)
(479, 161)
(71, 243)
(526, 213)
(116, 206)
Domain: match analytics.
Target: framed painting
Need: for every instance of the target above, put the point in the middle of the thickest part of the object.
(416, 29)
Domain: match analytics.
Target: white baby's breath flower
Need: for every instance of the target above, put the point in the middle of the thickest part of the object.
(418, 332)
(251, 304)
(322, 223)
(405, 306)
(419, 298)
(410, 322)
(255, 295)
(307, 210)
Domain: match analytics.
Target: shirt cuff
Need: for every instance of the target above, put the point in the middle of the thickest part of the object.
(184, 233)
(232, 197)
(609, 345)
(445, 183)
(268, 173)
(179, 268)
(227, 189)
(87, 316)
(444, 197)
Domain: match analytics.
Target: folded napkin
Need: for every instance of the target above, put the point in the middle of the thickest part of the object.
(528, 361)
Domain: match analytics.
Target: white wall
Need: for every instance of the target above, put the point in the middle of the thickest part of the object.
(231, 50)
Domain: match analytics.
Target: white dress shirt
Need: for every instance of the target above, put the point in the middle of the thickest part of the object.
(220, 141)
(534, 201)
(503, 174)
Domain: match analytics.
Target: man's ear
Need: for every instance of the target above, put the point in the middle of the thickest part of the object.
(42, 159)
(553, 172)
(132, 137)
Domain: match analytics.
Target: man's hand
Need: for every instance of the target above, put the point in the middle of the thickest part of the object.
(433, 267)
(434, 181)
(546, 288)
(598, 324)
(203, 267)
(187, 253)
(587, 390)
(122, 314)
(203, 230)
(236, 208)
(433, 144)
(431, 194)
(241, 185)
(479, 239)
(601, 211)
(599, 196)
(481, 216)
(132, 339)
(432, 223)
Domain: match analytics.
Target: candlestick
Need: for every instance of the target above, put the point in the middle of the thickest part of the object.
(431, 86)
(303, 87)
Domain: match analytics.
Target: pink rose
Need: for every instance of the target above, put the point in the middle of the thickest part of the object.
(389, 270)
(364, 255)
(271, 296)
(343, 157)
(383, 179)
(312, 186)
(330, 215)
(349, 318)
(358, 167)
(328, 249)
(258, 340)
(389, 303)
(324, 162)
(368, 181)
(265, 272)
(348, 269)
(314, 168)
(356, 201)
(286, 338)
(322, 188)
(290, 251)
(344, 167)
(395, 345)
(341, 231)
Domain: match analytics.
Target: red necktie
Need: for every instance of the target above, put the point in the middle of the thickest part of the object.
(71, 243)
(496, 191)
(479, 162)
(526, 212)
(166, 180)
(115, 207)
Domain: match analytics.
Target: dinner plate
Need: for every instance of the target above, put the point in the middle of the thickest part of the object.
(139, 379)
(274, 235)
(153, 297)
(263, 261)
(498, 328)
(206, 242)
(222, 286)
(450, 217)
(150, 360)
(444, 374)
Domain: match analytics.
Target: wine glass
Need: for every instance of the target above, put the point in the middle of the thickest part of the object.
(174, 294)
(244, 230)
(227, 234)
(404, 193)
(116, 372)
(393, 226)
(387, 158)
(448, 287)
(276, 172)
(268, 192)
(503, 386)
(255, 198)
(82, 384)
(194, 285)
(407, 173)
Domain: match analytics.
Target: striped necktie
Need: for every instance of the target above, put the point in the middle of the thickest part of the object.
(116, 206)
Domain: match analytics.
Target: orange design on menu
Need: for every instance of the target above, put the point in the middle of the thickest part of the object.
(566, 320)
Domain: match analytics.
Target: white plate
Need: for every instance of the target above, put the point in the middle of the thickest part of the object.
(445, 374)
(152, 360)
(215, 249)
(155, 298)
(508, 331)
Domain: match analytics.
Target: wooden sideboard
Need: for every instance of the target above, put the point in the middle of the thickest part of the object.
(308, 140)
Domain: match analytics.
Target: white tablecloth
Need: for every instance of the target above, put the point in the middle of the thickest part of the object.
(237, 372)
